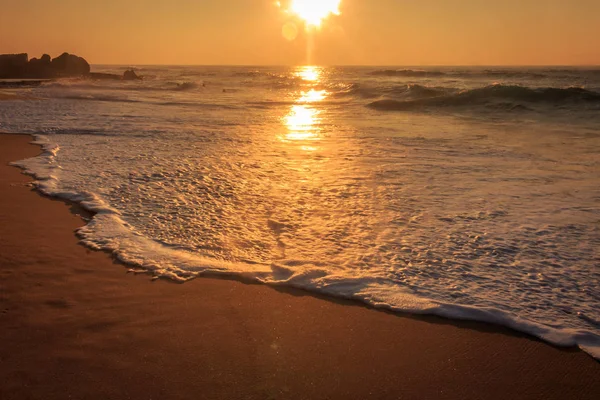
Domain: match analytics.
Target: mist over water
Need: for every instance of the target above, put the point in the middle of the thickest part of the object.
(471, 193)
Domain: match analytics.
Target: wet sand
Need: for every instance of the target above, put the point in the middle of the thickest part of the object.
(75, 324)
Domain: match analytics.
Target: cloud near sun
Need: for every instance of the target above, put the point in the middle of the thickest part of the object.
(312, 12)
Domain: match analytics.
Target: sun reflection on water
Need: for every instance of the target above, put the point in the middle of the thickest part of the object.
(313, 96)
(301, 123)
(303, 119)
(309, 73)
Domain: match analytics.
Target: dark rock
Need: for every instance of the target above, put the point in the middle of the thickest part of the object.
(14, 60)
(40, 68)
(17, 66)
(45, 60)
(12, 65)
(130, 75)
(70, 65)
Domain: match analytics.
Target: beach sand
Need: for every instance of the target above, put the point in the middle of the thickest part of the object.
(74, 324)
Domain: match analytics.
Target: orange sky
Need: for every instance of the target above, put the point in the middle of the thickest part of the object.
(249, 32)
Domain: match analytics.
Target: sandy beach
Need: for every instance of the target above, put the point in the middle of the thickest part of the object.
(74, 324)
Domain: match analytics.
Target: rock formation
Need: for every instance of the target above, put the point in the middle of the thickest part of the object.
(41, 67)
(18, 66)
(130, 75)
(12, 65)
(70, 65)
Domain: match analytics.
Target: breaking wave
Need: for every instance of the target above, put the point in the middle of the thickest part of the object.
(108, 231)
(405, 92)
(186, 86)
(508, 96)
(407, 72)
(211, 182)
(86, 84)
(500, 73)
(101, 97)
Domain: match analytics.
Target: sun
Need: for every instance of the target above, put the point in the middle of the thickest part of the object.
(314, 12)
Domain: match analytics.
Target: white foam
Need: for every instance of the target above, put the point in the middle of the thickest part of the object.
(45, 169)
(479, 219)
(108, 231)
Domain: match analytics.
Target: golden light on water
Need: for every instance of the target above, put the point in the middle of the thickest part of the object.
(309, 73)
(301, 122)
(313, 96)
(303, 119)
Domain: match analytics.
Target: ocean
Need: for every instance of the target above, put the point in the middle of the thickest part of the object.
(468, 193)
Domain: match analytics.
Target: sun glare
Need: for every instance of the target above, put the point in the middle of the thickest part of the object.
(313, 96)
(314, 12)
(302, 119)
(309, 73)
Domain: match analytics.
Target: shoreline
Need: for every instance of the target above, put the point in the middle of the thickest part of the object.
(562, 338)
(102, 333)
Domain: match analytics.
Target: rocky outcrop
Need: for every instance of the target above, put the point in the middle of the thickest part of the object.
(70, 65)
(40, 67)
(18, 66)
(12, 65)
(45, 60)
(130, 75)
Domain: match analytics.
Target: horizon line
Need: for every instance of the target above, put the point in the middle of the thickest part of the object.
(350, 65)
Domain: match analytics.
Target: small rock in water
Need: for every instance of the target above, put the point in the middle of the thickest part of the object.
(130, 75)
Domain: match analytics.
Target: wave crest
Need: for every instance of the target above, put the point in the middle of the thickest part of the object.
(498, 73)
(186, 86)
(407, 72)
(497, 96)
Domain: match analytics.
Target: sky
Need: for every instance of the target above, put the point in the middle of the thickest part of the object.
(249, 32)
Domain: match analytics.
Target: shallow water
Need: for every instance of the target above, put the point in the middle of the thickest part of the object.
(468, 193)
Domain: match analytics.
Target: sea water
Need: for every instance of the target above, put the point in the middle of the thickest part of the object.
(470, 193)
